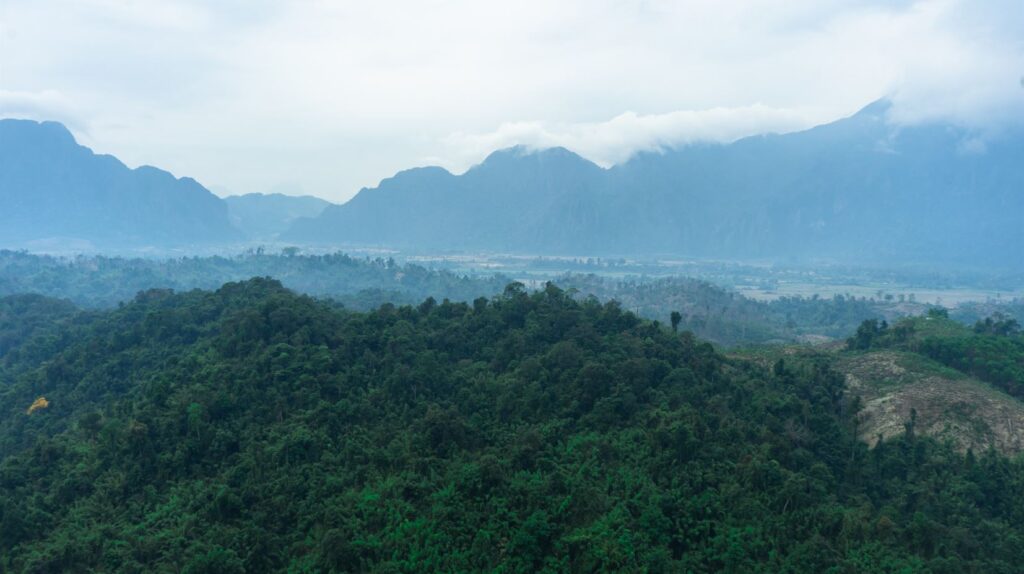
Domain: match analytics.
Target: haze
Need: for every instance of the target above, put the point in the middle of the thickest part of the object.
(325, 98)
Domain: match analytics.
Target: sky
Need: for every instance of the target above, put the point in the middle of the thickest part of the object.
(324, 98)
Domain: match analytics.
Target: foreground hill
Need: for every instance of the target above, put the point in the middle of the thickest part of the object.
(253, 430)
(55, 193)
(857, 190)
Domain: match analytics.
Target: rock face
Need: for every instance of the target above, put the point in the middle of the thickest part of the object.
(54, 191)
(857, 190)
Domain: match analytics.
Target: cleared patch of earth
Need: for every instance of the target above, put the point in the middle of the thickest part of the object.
(948, 404)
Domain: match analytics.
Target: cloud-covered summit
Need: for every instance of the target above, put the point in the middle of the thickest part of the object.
(336, 96)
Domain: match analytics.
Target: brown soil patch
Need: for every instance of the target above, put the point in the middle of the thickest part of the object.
(949, 406)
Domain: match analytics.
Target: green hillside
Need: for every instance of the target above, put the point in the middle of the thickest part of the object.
(250, 429)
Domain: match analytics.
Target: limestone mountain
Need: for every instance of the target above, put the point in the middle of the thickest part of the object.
(860, 189)
(55, 192)
(262, 216)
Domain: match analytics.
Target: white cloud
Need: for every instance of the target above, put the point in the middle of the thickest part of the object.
(941, 60)
(615, 140)
(337, 95)
(960, 62)
(41, 106)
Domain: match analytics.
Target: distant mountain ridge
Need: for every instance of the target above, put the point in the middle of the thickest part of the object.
(55, 191)
(858, 190)
(262, 216)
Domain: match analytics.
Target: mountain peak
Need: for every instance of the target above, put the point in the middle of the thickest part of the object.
(519, 153)
(32, 132)
(876, 109)
(52, 187)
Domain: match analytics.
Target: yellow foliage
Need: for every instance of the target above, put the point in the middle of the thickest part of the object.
(40, 403)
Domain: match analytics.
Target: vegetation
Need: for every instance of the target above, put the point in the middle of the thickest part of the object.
(22, 316)
(360, 283)
(710, 311)
(250, 429)
(978, 311)
(992, 351)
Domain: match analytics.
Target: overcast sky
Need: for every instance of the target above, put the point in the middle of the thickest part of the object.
(324, 97)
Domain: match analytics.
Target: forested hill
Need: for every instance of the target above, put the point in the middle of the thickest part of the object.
(361, 283)
(713, 312)
(857, 190)
(249, 429)
(56, 193)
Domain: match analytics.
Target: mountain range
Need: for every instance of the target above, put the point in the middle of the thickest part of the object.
(57, 193)
(856, 190)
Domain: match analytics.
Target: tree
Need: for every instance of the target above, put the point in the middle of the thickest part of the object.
(289, 435)
(866, 334)
(998, 324)
(676, 318)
